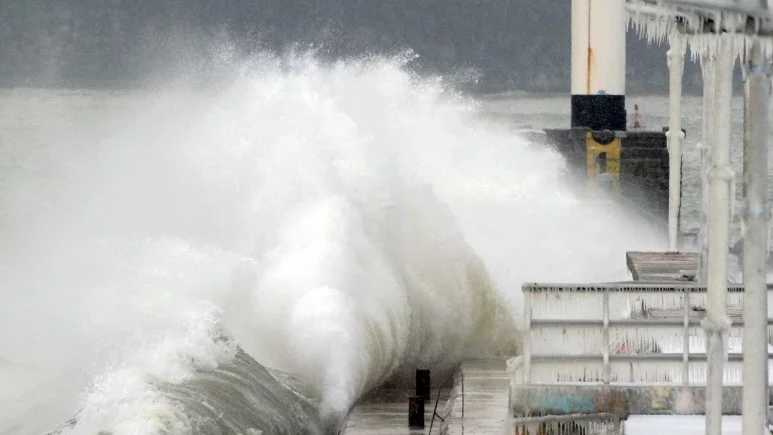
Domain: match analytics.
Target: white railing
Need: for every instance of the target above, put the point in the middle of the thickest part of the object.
(623, 333)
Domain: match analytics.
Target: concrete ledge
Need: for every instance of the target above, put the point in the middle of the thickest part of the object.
(624, 400)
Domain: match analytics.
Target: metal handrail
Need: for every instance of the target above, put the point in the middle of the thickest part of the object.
(685, 321)
(632, 357)
(626, 287)
(561, 323)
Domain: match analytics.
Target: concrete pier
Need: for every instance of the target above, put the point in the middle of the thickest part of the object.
(475, 403)
(385, 412)
(479, 402)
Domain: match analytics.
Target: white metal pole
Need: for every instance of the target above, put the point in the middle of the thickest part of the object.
(675, 136)
(716, 323)
(708, 62)
(757, 92)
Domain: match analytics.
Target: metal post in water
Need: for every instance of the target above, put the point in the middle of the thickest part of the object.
(757, 93)
(716, 323)
(675, 136)
(708, 61)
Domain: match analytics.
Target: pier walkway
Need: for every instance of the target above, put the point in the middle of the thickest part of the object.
(476, 403)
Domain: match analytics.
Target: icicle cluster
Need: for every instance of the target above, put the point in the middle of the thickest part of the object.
(600, 427)
(655, 22)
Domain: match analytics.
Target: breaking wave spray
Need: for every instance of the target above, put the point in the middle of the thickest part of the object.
(342, 222)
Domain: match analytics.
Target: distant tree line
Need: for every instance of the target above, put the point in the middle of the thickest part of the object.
(508, 44)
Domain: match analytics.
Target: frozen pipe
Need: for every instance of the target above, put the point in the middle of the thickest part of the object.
(675, 136)
(708, 66)
(716, 323)
(757, 93)
(598, 64)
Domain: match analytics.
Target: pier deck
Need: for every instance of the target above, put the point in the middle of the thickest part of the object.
(385, 412)
(483, 407)
(479, 407)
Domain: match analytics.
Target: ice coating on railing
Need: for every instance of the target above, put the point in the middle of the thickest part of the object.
(601, 426)
(567, 335)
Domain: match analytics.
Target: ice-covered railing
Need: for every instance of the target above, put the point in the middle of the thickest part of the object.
(698, 22)
(624, 333)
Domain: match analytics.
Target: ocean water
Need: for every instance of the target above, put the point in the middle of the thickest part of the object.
(540, 112)
(253, 253)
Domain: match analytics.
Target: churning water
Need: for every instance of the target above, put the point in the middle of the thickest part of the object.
(254, 253)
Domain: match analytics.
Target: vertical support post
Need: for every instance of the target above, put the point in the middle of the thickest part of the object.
(527, 337)
(416, 412)
(686, 339)
(675, 136)
(708, 66)
(423, 384)
(757, 93)
(605, 349)
(716, 323)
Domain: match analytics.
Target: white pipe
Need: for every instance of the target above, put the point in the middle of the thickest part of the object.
(598, 47)
(716, 323)
(757, 92)
(708, 61)
(675, 136)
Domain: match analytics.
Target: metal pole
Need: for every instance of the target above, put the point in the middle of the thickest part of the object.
(708, 65)
(675, 136)
(716, 323)
(757, 91)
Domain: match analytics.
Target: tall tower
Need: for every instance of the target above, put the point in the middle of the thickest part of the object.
(598, 64)
(598, 147)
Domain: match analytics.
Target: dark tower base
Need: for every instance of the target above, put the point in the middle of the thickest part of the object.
(599, 112)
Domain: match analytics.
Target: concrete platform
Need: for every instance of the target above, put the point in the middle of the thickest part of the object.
(385, 412)
(662, 266)
(476, 403)
(479, 401)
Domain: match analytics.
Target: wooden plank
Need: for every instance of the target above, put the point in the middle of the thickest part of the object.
(662, 266)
